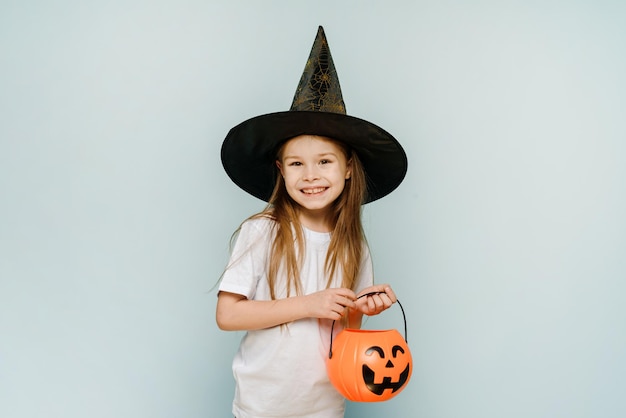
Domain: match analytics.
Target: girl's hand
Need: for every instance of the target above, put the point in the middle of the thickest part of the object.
(377, 302)
(330, 303)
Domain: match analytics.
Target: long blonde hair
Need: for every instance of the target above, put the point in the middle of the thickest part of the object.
(347, 242)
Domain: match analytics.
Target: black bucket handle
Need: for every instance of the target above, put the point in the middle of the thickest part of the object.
(330, 352)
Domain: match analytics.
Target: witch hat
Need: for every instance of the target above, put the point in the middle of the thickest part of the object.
(249, 150)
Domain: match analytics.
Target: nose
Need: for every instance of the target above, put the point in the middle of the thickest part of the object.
(311, 172)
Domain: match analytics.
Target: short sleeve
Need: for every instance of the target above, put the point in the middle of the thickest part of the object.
(248, 261)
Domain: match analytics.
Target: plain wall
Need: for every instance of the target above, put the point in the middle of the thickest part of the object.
(505, 243)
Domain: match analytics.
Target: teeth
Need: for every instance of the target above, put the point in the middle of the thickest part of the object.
(313, 191)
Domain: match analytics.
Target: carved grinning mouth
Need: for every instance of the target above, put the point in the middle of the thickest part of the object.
(379, 388)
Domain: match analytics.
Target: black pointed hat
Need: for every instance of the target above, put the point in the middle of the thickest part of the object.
(249, 150)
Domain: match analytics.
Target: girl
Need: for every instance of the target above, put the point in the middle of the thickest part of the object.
(302, 262)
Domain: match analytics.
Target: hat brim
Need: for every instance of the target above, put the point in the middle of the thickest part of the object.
(249, 150)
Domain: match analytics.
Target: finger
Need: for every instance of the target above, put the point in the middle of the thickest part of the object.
(386, 300)
(369, 291)
(390, 293)
(372, 290)
(342, 302)
(341, 292)
(334, 315)
(379, 302)
(346, 296)
(348, 302)
(372, 302)
(382, 290)
(348, 293)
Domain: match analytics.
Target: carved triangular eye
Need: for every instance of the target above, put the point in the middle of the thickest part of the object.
(378, 350)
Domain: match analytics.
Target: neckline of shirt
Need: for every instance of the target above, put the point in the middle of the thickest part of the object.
(315, 235)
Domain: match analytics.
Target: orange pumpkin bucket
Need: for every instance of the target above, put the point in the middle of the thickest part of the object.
(369, 365)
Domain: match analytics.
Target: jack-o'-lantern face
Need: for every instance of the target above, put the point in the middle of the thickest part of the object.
(369, 366)
(385, 370)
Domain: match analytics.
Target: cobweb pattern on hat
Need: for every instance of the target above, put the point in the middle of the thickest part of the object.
(319, 88)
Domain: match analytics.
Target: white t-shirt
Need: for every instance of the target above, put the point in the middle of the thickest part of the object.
(281, 371)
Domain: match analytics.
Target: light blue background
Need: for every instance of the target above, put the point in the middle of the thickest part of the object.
(506, 242)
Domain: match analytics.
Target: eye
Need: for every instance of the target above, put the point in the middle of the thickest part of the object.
(376, 349)
(295, 164)
(325, 161)
(395, 349)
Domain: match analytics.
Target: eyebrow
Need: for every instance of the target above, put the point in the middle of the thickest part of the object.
(320, 155)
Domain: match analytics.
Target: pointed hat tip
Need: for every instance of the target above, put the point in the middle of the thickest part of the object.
(320, 33)
(319, 89)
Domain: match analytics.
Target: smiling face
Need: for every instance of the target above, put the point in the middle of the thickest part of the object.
(369, 366)
(393, 375)
(315, 170)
